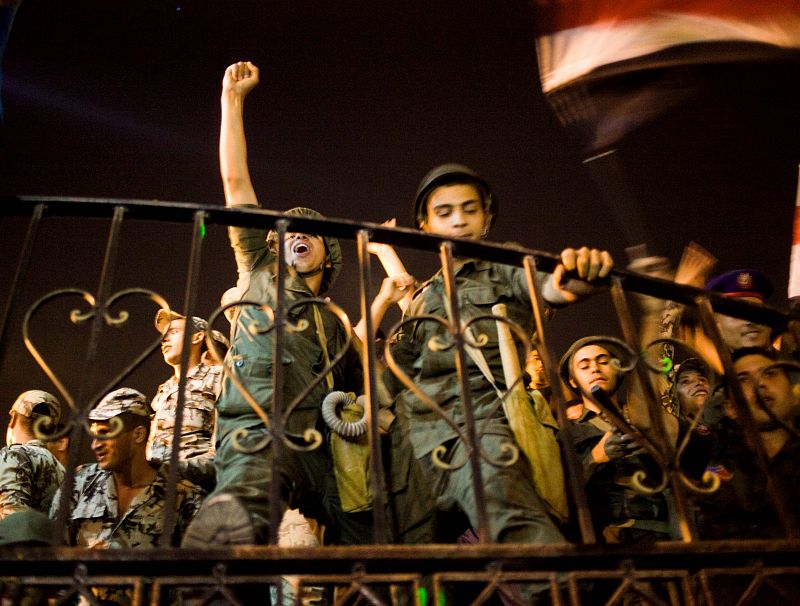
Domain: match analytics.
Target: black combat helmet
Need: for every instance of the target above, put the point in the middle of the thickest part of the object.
(449, 174)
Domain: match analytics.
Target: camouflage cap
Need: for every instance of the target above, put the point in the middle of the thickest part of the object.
(29, 400)
(119, 401)
(165, 316)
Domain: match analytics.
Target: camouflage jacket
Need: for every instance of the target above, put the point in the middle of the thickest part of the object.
(203, 383)
(95, 521)
(29, 477)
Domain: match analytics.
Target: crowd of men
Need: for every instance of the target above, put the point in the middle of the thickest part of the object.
(228, 461)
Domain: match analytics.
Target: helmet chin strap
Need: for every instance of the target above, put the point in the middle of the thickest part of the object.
(310, 273)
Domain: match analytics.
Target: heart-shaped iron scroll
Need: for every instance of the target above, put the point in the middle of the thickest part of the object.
(509, 452)
(311, 437)
(79, 317)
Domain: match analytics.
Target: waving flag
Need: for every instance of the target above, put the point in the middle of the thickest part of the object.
(643, 48)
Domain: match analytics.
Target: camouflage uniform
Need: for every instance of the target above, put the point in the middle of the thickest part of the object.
(95, 521)
(196, 458)
(515, 512)
(29, 477)
(29, 473)
(308, 477)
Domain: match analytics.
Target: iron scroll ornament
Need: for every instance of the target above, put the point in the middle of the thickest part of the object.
(78, 317)
(509, 451)
(310, 437)
(708, 483)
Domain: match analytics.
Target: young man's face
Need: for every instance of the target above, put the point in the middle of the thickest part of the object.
(113, 454)
(693, 391)
(738, 333)
(591, 366)
(765, 384)
(304, 252)
(456, 211)
(172, 342)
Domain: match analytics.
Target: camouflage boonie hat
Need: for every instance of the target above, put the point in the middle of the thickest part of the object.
(165, 316)
(120, 401)
(29, 400)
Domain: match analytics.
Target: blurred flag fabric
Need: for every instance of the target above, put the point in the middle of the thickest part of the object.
(610, 66)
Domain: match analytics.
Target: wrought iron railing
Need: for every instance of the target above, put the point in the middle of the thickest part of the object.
(685, 571)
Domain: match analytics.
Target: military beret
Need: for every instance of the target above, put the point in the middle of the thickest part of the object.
(29, 400)
(742, 283)
(119, 401)
(165, 316)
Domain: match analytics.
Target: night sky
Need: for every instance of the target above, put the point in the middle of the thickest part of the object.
(356, 102)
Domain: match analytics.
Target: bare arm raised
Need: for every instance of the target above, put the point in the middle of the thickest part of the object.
(240, 78)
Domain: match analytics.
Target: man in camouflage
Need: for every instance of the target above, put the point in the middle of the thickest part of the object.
(118, 502)
(29, 473)
(196, 454)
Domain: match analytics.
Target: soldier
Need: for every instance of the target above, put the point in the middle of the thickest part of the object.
(29, 473)
(454, 201)
(238, 511)
(741, 508)
(118, 502)
(748, 285)
(203, 382)
(610, 458)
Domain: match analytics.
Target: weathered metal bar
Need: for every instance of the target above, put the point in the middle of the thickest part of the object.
(744, 415)
(686, 523)
(510, 254)
(383, 559)
(276, 428)
(77, 437)
(22, 269)
(190, 298)
(457, 334)
(574, 468)
(369, 361)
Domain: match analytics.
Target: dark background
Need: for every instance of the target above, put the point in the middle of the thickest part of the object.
(357, 101)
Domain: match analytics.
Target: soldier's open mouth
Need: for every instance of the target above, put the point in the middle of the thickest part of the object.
(300, 248)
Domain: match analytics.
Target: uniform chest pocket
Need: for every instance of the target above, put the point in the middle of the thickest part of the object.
(484, 296)
(89, 509)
